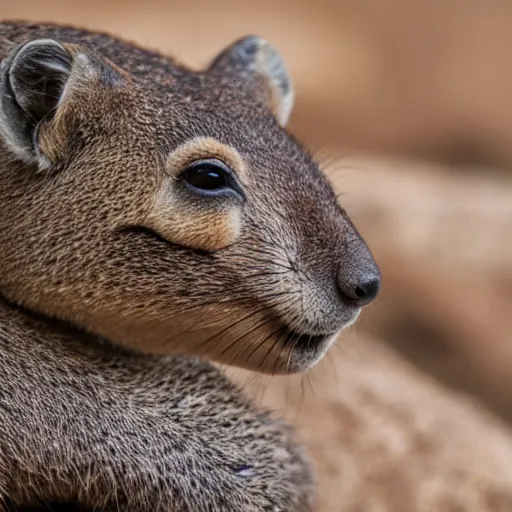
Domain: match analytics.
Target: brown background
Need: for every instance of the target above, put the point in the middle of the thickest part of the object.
(408, 104)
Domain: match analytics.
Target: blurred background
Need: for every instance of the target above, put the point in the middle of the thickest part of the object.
(408, 105)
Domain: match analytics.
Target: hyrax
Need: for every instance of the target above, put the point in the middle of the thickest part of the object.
(150, 215)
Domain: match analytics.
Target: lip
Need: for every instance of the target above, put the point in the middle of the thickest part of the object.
(304, 341)
(310, 342)
(301, 351)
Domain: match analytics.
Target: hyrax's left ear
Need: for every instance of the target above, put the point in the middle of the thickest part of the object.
(37, 80)
(253, 58)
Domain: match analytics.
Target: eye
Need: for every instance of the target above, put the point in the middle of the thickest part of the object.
(205, 176)
(211, 177)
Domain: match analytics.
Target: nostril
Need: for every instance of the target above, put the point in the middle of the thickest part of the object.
(368, 291)
(361, 292)
(364, 292)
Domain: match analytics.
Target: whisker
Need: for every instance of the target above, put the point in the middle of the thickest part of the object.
(259, 345)
(277, 341)
(258, 326)
(237, 322)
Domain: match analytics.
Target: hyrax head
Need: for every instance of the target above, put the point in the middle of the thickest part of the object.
(169, 210)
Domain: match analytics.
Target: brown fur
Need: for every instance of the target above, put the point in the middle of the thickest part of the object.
(109, 429)
(97, 231)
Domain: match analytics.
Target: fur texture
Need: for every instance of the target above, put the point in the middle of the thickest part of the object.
(102, 240)
(114, 431)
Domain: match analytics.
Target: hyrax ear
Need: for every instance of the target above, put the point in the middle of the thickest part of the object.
(36, 80)
(253, 58)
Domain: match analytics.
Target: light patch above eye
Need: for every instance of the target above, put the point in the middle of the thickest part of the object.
(205, 148)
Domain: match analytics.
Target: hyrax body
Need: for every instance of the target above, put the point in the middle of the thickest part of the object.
(150, 215)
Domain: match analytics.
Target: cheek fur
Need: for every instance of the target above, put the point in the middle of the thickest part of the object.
(207, 231)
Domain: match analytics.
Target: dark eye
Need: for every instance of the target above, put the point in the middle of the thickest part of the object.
(211, 177)
(205, 176)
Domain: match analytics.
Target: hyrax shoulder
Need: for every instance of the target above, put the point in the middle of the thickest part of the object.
(111, 430)
(166, 212)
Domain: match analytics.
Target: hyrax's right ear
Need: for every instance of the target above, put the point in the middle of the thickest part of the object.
(36, 80)
(33, 79)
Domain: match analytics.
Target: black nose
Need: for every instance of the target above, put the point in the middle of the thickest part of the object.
(363, 292)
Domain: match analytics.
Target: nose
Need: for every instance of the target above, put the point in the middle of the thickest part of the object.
(362, 292)
(359, 277)
(357, 274)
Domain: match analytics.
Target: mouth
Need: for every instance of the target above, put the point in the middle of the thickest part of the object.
(298, 352)
(302, 351)
(304, 341)
(310, 343)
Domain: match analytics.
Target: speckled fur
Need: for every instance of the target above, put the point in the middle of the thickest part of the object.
(111, 429)
(93, 408)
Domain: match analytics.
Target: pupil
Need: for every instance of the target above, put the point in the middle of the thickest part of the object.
(206, 178)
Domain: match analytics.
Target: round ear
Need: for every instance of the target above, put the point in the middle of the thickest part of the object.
(36, 81)
(252, 57)
(32, 82)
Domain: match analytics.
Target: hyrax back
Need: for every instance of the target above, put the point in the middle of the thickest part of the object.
(165, 211)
